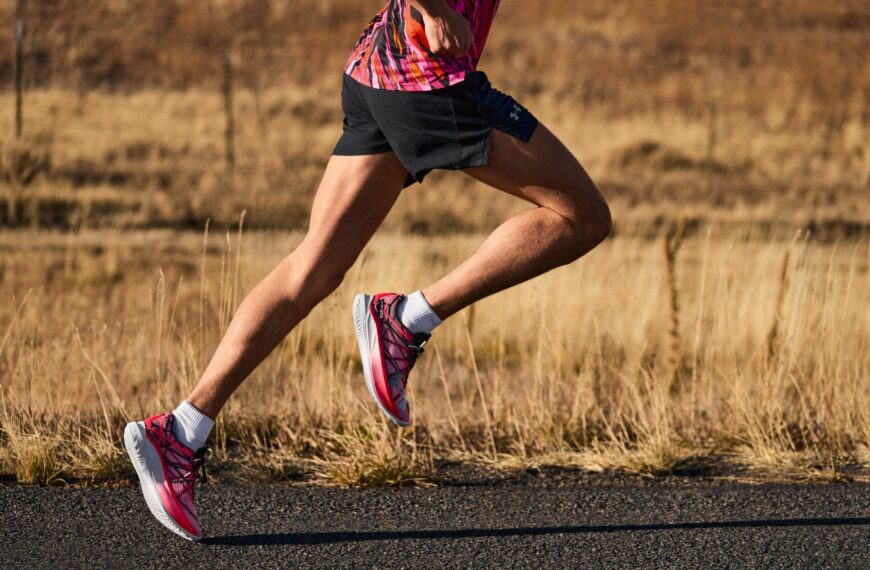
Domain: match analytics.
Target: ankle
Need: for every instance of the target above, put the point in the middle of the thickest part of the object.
(192, 427)
(417, 315)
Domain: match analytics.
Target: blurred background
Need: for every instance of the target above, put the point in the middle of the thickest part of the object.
(741, 112)
(158, 157)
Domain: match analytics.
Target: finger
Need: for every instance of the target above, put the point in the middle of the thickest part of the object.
(446, 49)
(463, 46)
(458, 48)
(437, 47)
(452, 47)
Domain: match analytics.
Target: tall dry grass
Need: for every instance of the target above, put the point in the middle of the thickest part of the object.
(734, 344)
(574, 368)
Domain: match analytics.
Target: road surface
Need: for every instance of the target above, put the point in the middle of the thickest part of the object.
(580, 523)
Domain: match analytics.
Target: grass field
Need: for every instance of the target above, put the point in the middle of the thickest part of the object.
(754, 355)
(724, 327)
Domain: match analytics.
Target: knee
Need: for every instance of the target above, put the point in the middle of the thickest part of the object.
(590, 223)
(600, 221)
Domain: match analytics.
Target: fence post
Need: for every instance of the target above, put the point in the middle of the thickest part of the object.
(228, 107)
(711, 133)
(19, 65)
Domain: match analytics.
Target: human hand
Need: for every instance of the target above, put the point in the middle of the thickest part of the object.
(447, 32)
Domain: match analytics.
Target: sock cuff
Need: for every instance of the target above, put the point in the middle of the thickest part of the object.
(194, 424)
(417, 314)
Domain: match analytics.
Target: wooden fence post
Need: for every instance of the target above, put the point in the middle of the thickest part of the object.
(711, 133)
(19, 74)
(228, 107)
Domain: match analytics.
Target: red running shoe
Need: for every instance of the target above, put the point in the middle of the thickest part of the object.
(388, 351)
(167, 472)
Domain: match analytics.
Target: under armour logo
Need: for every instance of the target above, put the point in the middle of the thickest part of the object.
(515, 114)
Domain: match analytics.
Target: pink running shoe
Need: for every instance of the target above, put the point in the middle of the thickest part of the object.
(388, 352)
(166, 470)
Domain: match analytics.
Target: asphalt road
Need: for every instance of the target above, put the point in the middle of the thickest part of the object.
(543, 524)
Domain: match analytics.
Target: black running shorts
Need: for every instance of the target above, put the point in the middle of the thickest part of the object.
(446, 128)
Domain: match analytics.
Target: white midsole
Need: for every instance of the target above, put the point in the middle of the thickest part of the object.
(361, 324)
(149, 468)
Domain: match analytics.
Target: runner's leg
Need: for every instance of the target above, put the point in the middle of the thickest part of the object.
(572, 218)
(354, 196)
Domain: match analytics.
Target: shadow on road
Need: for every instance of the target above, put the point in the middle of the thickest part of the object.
(353, 536)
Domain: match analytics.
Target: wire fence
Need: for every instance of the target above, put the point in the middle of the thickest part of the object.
(61, 48)
(50, 101)
(84, 72)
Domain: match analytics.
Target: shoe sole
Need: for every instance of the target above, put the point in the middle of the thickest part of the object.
(149, 468)
(361, 323)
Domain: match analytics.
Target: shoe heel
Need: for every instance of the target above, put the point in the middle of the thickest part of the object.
(133, 437)
(360, 306)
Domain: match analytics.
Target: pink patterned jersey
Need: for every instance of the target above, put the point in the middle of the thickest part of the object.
(393, 52)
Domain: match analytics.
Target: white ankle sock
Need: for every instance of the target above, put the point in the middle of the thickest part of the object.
(191, 426)
(416, 314)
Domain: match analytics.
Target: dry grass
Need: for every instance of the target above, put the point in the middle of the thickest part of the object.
(99, 325)
(30, 451)
(743, 348)
(367, 457)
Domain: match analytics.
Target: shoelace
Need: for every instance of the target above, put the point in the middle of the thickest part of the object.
(412, 350)
(199, 464)
(186, 468)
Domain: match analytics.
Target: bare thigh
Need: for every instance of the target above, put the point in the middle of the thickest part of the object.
(354, 196)
(544, 172)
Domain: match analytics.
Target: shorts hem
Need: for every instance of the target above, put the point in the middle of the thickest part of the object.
(527, 137)
(347, 152)
(480, 157)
